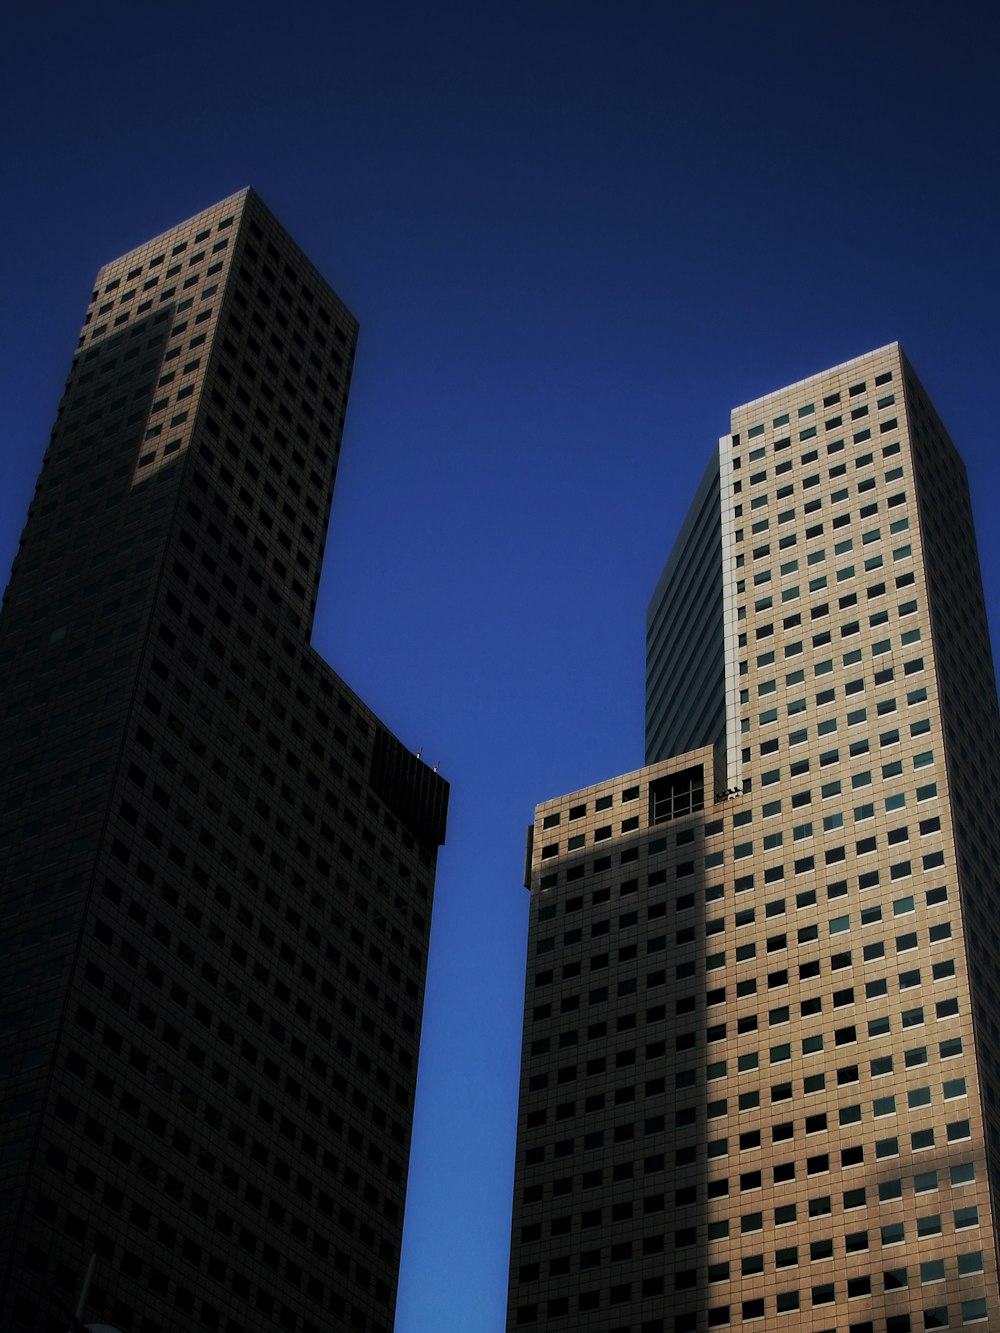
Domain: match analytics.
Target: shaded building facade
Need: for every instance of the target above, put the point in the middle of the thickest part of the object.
(760, 1051)
(216, 863)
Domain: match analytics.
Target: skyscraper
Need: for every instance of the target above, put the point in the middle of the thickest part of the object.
(759, 1078)
(216, 863)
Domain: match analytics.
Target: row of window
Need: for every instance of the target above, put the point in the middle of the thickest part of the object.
(787, 1302)
(967, 1264)
(831, 400)
(784, 467)
(916, 1098)
(812, 533)
(579, 810)
(878, 1026)
(840, 495)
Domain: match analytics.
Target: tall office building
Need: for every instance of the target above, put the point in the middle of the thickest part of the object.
(216, 863)
(761, 1045)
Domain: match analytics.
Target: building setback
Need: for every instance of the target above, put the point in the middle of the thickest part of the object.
(216, 863)
(760, 1045)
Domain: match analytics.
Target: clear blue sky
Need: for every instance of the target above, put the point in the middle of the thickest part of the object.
(575, 235)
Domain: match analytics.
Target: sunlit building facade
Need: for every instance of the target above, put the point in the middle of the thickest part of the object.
(760, 1044)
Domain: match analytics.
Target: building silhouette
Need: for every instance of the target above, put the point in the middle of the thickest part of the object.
(759, 1073)
(216, 863)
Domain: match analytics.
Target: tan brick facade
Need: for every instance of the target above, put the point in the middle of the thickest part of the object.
(756, 1035)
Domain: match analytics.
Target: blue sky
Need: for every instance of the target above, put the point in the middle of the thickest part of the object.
(575, 237)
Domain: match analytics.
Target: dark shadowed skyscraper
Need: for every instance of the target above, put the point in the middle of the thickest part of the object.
(761, 1045)
(216, 863)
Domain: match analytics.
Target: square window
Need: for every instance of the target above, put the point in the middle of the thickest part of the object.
(970, 1263)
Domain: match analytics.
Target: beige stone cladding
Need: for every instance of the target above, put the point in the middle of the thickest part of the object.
(758, 1081)
(845, 746)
